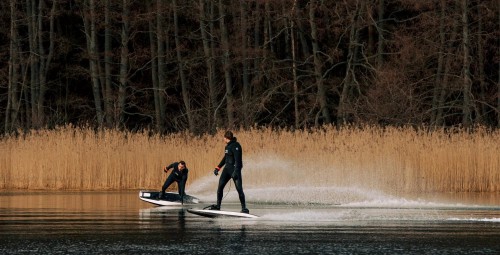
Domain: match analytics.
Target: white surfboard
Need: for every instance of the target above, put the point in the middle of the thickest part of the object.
(171, 198)
(217, 213)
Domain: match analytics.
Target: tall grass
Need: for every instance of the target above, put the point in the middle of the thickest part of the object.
(390, 159)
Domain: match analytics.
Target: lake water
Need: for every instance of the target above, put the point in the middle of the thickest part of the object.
(65, 222)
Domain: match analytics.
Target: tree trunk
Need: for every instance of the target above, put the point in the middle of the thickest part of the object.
(11, 112)
(294, 67)
(91, 34)
(122, 90)
(371, 31)
(39, 60)
(481, 111)
(41, 66)
(218, 121)
(263, 46)
(45, 59)
(226, 66)
(438, 81)
(160, 30)
(266, 31)
(467, 116)
(184, 83)
(381, 29)
(450, 56)
(209, 62)
(108, 91)
(268, 28)
(306, 51)
(10, 87)
(33, 60)
(247, 116)
(256, 44)
(498, 81)
(154, 70)
(94, 69)
(318, 74)
(350, 78)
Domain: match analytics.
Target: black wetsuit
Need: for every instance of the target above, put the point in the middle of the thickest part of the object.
(176, 176)
(233, 163)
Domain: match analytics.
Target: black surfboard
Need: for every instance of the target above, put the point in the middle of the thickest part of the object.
(170, 198)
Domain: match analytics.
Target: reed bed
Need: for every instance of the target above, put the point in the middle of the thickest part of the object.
(389, 159)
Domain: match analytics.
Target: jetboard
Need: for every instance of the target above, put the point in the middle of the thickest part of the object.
(170, 198)
(217, 213)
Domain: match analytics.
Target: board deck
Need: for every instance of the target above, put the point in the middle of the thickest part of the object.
(217, 213)
(171, 198)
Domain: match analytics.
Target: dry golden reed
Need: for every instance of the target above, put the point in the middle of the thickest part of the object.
(389, 159)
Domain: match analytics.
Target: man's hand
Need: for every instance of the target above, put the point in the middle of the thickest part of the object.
(216, 171)
(165, 169)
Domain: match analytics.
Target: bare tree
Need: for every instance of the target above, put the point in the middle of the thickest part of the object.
(441, 54)
(45, 58)
(245, 65)
(108, 91)
(122, 89)
(350, 77)
(180, 63)
(12, 109)
(226, 65)
(467, 118)
(268, 30)
(294, 67)
(33, 60)
(380, 29)
(444, 88)
(160, 57)
(209, 61)
(154, 69)
(481, 109)
(318, 73)
(89, 19)
(256, 43)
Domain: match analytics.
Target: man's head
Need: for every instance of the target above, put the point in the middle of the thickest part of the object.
(228, 136)
(182, 165)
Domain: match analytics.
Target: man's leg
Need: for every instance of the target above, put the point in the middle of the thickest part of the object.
(168, 182)
(224, 178)
(239, 187)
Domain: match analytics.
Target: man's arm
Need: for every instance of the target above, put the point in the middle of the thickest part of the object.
(222, 162)
(182, 184)
(171, 166)
(184, 177)
(237, 152)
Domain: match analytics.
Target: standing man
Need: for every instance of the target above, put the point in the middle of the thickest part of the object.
(179, 174)
(233, 163)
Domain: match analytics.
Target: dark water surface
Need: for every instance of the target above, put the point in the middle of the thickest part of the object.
(119, 223)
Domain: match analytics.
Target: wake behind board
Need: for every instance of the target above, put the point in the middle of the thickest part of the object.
(170, 198)
(217, 214)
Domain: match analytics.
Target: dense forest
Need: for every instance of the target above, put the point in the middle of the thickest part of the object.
(205, 64)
